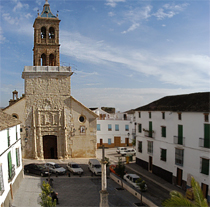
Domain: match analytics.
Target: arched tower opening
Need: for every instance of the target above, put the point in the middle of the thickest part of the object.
(52, 60)
(43, 60)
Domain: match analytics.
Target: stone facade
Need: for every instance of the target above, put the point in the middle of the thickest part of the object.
(55, 124)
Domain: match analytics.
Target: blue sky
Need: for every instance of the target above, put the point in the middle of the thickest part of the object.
(125, 53)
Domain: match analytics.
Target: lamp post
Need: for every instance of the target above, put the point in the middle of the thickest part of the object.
(103, 193)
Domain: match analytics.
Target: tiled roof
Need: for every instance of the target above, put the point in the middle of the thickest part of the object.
(46, 11)
(7, 120)
(194, 102)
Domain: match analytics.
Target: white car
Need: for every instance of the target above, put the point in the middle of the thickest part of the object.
(132, 178)
(121, 149)
(55, 168)
(128, 152)
(74, 168)
(94, 166)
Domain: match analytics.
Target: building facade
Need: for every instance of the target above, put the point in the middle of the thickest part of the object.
(11, 172)
(55, 125)
(114, 129)
(173, 139)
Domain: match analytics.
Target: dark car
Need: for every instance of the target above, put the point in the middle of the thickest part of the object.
(36, 169)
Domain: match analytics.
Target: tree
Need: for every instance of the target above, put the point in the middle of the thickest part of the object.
(120, 170)
(142, 185)
(46, 200)
(177, 199)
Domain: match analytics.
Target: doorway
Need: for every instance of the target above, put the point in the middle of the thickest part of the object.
(50, 147)
(179, 177)
(150, 163)
(205, 189)
(127, 141)
(117, 141)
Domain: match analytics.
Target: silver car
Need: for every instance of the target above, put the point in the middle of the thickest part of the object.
(55, 168)
(74, 168)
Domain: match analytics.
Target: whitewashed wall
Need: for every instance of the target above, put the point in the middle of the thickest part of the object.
(4, 150)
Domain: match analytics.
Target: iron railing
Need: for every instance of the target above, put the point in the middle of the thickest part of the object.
(179, 140)
(204, 143)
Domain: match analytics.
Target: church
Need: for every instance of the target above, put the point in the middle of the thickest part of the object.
(54, 124)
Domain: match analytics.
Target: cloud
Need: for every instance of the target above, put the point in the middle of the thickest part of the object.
(179, 69)
(2, 38)
(113, 3)
(169, 10)
(123, 98)
(19, 6)
(111, 14)
(85, 74)
(131, 28)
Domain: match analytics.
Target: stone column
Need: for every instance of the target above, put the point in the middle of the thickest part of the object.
(65, 135)
(41, 154)
(34, 133)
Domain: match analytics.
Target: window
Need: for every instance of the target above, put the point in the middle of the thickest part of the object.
(206, 117)
(1, 181)
(126, 127)
(109, 141)
(16, 133)
(82, 119)
(163, 153)
(98, 127)
(179, 116)
(179, 156)
(207, 135)
(139, 128)
(8, 138)
(17, 152)
(109, 127)
(163, 131)
(150, 114)
(150, 147)
(163, 115)
(140, 146)
(139, 114)
(205, 166)
(51, 33)
(116, 127)
(21, 130)
(43, 32)
(9, 159)
(180, 134)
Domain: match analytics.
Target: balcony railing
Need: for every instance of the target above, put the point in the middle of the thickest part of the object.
(148, 133)
(11, 173)
(204, 143)
(179, 140)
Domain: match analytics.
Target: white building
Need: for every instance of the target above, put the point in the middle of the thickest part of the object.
(114, 129)
(173, 139)
(11, 172)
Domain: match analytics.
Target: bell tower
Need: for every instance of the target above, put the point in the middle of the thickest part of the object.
(46, 38)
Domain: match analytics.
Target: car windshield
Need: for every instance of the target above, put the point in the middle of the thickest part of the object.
(57, 166)
(97, 166)
(135, 179)
(75, 166)
(40, 167)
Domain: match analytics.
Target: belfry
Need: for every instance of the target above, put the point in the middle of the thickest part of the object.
(54, 124)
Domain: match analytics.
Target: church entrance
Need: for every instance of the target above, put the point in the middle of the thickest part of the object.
(50, 147)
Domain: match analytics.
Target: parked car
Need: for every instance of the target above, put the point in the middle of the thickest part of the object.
(94, 166)
(74, 168)
(55, 168)
(128, 152)
(121, 149)
(131, 178)
(36, 169)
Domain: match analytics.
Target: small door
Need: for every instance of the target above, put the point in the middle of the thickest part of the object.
(117, 141)
(150, 163)
(205, 189)
(127, 141)
(179, 177)
(101, 141)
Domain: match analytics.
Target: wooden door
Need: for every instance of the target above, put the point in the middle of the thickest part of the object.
(179, 177)
(204, 188)
(127, 141)
(150, 163)
(117, 141)
(101, 142)
(50, 147)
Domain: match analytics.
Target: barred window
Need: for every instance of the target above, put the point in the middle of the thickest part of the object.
(150, 147)
(179, 156)
(140, 146)
(163, 154)
(1, 181)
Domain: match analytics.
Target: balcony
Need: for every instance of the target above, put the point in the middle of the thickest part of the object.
(204, 143)
(149, 133)
(179, 140)
(11, 173)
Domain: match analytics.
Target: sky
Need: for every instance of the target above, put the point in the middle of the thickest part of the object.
(124, 53)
